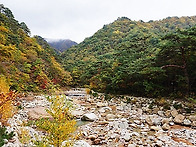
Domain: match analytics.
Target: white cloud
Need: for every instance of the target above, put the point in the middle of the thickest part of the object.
(78, 19)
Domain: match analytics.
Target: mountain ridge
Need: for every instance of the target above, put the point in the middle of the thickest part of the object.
(121, 53)
(61, 44)
(27, 63)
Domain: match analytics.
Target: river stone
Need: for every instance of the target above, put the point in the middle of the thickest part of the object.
(89, 117)
(137, 122)
(92, 137)
(155, 128)
(166, 120)
(100, 104)
(159, 143)
(179, 119)
(123, 125)
(77, 113)
(110, 117)
(127, 137)
(166, 127)
(192, 118)
(168, 113)
(156, 120)
(97, 141)
(81, 143)
(164, 138)
(187, 122)
(149, 121)
(105, 109)
(193, 124)
(131, 145)
(160, 113)
(174, 113)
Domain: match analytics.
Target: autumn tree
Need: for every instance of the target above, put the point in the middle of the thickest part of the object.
(6, 101)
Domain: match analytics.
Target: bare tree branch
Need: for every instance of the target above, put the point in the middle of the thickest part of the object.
(177, 66)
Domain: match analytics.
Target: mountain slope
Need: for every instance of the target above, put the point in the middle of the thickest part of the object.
(61, 45)
(29, 64)
(121, 57)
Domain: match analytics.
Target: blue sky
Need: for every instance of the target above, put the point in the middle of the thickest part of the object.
(78, 19)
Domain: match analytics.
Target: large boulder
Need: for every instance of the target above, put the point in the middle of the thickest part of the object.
(179, 119)
(174, 113)
(89, 117)
(37, 113)
(81, 143)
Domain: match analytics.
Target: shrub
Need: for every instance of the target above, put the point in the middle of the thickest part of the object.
(61, 127)
(6, 101)
(4, 135)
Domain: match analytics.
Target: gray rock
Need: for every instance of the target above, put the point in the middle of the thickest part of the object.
(5, 141)
(81, 143)
(131, 145)
(137, 122)
(127, 136)
(135, 134)
(187, 122)
(192, 118)
(171, 123)
(149, 121)
(92, 137)
(174, 113)
(165, 127)
(155, 128)
(100, 104)
(110, 117)
(159, 143)
(89, 117)
(156, 120)
(179, 118)
(77, 113)
(168, 113)
(166, 120)
(160, 113)
(123, 125)
(193, 124)
(105, 109)
(164, 138)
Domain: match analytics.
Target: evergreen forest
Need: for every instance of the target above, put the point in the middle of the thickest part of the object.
(152, 59)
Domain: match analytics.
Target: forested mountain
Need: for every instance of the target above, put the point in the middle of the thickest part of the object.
(154, 58)
(28, 64)
(61, 45)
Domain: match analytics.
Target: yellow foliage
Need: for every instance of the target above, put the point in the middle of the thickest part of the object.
(87, 90)
(6, 100)
(2, 39)
(4, 87)
(62, 127)
(3, 29)
(7, 51)
(24, 136)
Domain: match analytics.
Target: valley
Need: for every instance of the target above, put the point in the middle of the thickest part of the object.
(130, 84)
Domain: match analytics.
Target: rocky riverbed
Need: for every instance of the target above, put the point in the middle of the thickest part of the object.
(122, 121)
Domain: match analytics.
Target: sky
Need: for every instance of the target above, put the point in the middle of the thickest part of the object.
(79, 19)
